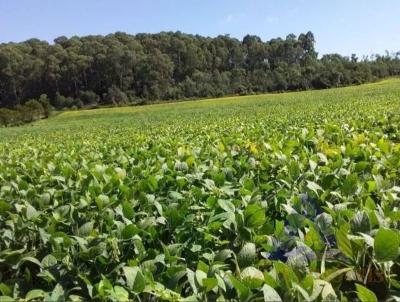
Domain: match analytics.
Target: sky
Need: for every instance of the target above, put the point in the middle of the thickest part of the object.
(363, 27)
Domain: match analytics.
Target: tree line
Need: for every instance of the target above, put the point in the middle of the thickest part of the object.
(133, 69)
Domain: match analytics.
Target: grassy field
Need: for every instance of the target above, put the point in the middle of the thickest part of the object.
(222, 112)
(290, 196)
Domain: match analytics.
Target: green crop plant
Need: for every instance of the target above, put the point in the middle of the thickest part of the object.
(279, 197)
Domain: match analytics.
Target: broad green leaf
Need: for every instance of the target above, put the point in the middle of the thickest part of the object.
(191, 278)
(34, 294)
(302, 291)
(360, 222)
(384, 146)
(200, 276)
(314, 187)
(134, 279)
(286, 272)
(324, 289)
(209, 283)
(337, 273)
(152, 183)
(247, 255)
(226, 205)
(129, 231)
(85, 229)
(252, 277)
(203, 266)
(313, 240)
(49, 261)
(121, 294)
(350, 184)
(344, 243)
(127, 210)
(386, 245)
(242, 291)
(57, 295)
(32, 260)
(31, 212)
(254, 215)
(102, 200)
(324, 223)
(221, 282)
(4, 207)
(365, 295)
(5, 289)
(270, 294)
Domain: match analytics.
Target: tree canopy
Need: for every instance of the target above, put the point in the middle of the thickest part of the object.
(123, 68)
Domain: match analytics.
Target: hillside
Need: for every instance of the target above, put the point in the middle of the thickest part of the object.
(274, 197)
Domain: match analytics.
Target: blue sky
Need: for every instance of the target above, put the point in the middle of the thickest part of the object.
(342, 26)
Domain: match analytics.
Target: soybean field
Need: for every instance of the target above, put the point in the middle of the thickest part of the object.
(275, 197)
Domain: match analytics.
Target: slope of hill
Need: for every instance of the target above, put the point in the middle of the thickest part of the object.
(272, 197)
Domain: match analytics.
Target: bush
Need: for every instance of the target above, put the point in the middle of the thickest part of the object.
(115, 96)
(89, 97)
(78, 103)
(59, 101)
(32, 110)
(69, 102)
(45, 102)
(6, 117)
(241, 90)
(28, 112)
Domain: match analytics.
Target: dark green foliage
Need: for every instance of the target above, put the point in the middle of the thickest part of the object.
(59, 101)
(29, 112)
(121, 68)
(7, 117)
(45, 102)
(115, 96)
(89, 97)
(32, 110)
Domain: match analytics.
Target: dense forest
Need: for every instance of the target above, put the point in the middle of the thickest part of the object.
(121, 68)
